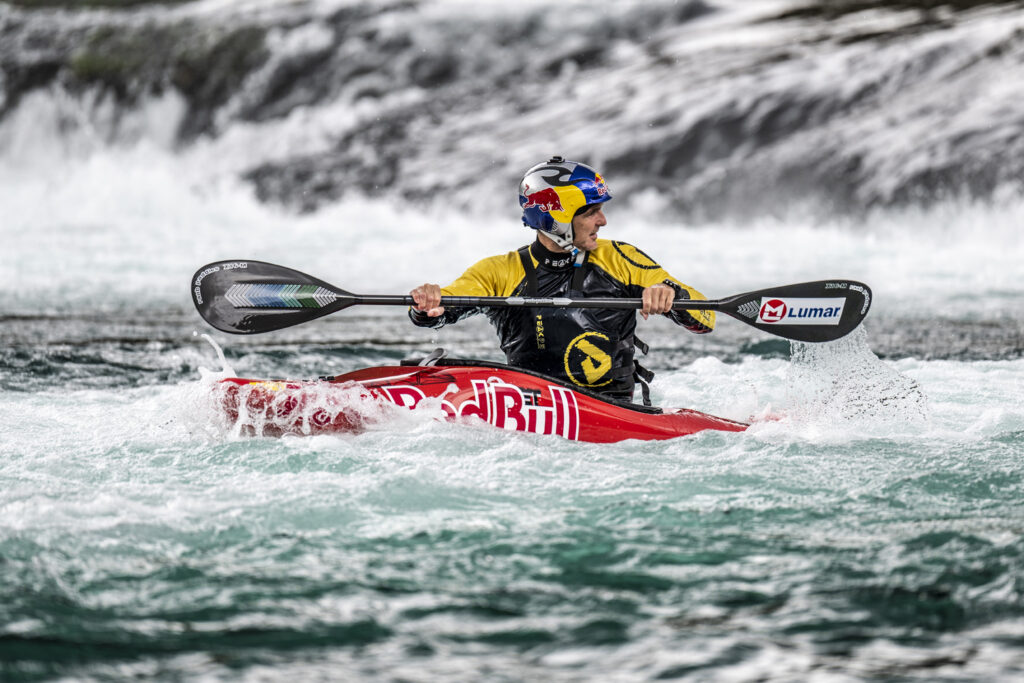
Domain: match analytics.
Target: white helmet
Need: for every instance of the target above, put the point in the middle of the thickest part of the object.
(552, 193)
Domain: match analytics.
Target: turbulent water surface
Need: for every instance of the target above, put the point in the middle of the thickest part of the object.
(868, 526)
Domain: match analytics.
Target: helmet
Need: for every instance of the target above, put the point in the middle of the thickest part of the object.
(553, 192)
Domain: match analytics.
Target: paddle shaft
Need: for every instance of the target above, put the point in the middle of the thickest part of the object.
(518, 301)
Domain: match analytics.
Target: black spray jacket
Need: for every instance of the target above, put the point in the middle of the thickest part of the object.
(592, 348)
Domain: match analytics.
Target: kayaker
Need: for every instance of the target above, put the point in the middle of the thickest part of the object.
(593, 348)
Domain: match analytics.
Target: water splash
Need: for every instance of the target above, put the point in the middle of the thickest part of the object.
(210, 376)
(299, 408)
(843, 383)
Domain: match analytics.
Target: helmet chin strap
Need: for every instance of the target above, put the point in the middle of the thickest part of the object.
(565, 241)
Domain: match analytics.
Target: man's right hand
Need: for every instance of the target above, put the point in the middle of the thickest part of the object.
(428, 299)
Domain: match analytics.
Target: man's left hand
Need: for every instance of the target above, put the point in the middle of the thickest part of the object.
(657, 299)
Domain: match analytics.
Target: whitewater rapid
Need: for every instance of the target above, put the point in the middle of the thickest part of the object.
(867, 526)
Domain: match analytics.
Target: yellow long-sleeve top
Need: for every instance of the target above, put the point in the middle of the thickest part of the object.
(589, 347)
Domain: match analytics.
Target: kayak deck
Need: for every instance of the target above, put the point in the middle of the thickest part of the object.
(505, 397)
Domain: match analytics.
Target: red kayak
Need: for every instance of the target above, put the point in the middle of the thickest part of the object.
(502, 396)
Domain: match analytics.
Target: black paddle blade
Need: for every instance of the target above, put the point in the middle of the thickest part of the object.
(248, 297)
(809, 312)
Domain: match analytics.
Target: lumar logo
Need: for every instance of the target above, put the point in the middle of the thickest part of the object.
(772, 311)
(826, 311)
(586, 362)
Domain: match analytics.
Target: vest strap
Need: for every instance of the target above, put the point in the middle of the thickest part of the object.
(643, 377)
(531, 272)
(578, 271)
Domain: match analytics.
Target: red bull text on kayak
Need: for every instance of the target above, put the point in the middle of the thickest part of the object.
(505, 406)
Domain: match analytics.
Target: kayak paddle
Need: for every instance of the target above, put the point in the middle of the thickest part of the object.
(249, 297)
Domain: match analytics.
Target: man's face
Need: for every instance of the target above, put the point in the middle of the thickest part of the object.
(585, 225)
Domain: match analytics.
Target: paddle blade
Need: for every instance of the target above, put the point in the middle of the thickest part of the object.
(249, 297)
(810, 312)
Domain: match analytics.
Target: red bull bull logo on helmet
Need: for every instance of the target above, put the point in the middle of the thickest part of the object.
(546, 200)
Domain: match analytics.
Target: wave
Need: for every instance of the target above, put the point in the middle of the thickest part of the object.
(707, 109)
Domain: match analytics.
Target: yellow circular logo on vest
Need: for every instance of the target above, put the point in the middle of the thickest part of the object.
(586, 363)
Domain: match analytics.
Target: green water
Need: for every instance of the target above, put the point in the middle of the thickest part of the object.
(138, 541)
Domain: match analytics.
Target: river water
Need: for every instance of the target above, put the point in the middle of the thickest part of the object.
(868, 526)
